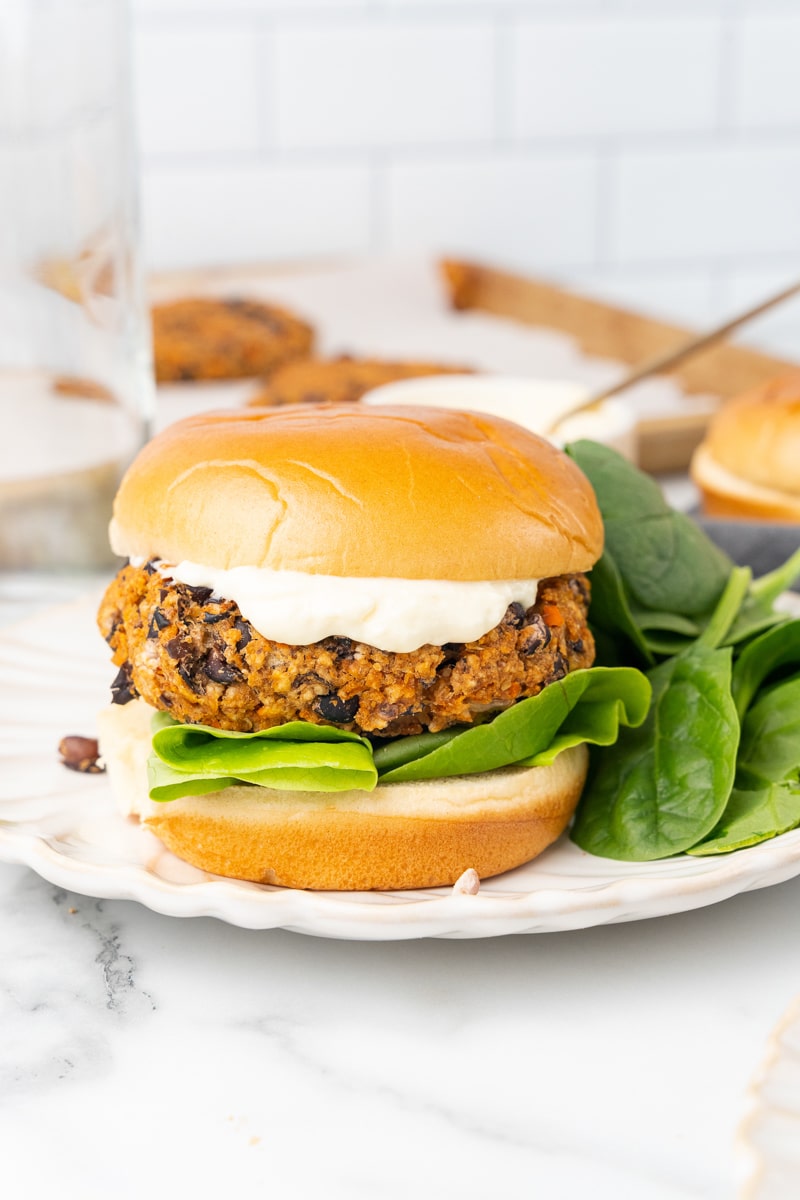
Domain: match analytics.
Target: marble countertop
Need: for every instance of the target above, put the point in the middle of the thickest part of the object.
(145, 1056)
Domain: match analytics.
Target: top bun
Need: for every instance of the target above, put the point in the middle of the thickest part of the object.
(409, 493)
(748, 464)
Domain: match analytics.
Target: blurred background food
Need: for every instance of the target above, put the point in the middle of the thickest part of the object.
(603, 179)
(229, 338)
(340, 380)
(748, 466)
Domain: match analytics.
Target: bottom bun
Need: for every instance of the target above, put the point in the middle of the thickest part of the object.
(401, 835)
(729, 497)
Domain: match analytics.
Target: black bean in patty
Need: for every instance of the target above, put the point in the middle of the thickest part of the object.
(514, 615)
(122, 689)
(332, 708)
(186, 672)
(219, 669)
(158, 621)
(560, 666)
(341, 647)
(536, 634)
(175, 648)
(245, 634)
(199, 594)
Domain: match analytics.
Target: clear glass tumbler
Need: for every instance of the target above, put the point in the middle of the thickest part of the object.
(76, 386)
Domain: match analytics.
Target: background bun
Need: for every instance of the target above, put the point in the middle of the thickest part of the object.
(749, 463)
(401, 835)
(401, 492)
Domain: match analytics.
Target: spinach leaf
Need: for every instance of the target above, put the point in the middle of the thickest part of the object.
(753, 816)
(766, 800)
(666, 634)
(769, 587)
(753, 618)
(779, 647)
(667, 782)
(730, 602)
(770, 745)
(667, 645)
(528, 728)
(757, 612)
(665, 561)
(610, 610)
(669, 622)
(402, 750)
(595, 721)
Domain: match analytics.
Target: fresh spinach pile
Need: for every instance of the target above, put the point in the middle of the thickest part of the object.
(715, 765)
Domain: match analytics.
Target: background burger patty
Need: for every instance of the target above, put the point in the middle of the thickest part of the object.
(193, 655)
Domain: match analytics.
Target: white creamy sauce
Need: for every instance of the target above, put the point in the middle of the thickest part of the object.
(397, 615)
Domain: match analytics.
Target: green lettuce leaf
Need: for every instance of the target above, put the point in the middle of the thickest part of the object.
(522, 734)
(188, 760)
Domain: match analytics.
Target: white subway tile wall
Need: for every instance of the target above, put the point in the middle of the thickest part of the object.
(615, 75)
(199, 213)
(210, 104)
(355, 84)
(646, 150)
(766, 54)
(727, 202)
(475, 204)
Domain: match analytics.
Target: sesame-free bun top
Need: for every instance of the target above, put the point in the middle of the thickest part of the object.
(748, 464)
(409, 493)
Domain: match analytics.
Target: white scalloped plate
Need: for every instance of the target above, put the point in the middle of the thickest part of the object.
(768, 1148)
(54, 677)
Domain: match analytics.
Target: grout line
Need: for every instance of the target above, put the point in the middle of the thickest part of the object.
(483, 148)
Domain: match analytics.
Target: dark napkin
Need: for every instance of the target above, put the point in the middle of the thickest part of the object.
(755, 544)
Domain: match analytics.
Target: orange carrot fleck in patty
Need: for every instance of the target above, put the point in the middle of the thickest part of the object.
(552, 615)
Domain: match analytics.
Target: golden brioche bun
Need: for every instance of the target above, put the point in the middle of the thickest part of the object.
(747, 466)
(401, 835)
(400, 492)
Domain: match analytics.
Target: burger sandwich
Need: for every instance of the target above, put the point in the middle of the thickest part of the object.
(746, 468)
(352, 646)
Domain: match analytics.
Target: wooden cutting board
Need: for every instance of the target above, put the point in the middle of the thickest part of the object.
(665, 443)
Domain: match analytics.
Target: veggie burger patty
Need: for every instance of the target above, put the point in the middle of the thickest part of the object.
(192, 654)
